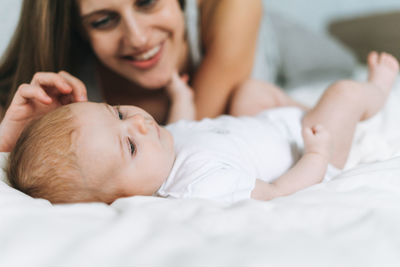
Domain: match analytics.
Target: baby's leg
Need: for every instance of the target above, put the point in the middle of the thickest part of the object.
(345, 103)
(252, 97)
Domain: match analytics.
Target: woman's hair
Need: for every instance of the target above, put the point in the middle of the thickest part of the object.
(182, 4)
(47, 38)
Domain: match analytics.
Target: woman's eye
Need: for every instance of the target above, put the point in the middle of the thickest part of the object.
(105, 21)
(145, 3)
(132, 147)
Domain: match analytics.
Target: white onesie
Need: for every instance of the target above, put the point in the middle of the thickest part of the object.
(221, 158)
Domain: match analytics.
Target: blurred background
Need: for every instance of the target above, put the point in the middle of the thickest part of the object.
(362, 25)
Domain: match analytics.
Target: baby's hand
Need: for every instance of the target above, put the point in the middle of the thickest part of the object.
(317, 140)
(46, 92)
(182, 99)
(178, 88)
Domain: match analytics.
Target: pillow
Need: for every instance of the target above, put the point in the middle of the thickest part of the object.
(306, 56)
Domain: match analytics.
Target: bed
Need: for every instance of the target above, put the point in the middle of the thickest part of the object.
(351, 221)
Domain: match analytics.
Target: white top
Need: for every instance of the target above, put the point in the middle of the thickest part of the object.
(221, 158)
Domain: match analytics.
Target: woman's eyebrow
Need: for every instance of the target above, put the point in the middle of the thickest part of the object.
(94, 12)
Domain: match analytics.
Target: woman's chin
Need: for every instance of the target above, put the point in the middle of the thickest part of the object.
(153, 82)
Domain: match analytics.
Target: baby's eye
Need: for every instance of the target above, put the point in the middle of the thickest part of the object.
(132, 147)
(120, 115)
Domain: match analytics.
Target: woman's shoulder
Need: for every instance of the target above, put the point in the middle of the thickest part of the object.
(220, 15)
(209, 8)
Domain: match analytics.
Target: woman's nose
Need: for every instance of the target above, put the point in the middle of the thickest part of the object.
(138, 122)
(135, 33)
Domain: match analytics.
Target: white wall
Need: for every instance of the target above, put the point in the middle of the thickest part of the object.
(9, 13)
(313, 13)
(316, 14)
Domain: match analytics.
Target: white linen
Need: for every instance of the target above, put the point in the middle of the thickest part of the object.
(351, 221)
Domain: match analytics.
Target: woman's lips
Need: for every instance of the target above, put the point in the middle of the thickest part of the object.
(147, 59)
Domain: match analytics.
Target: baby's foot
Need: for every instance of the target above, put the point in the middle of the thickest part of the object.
(383, 70)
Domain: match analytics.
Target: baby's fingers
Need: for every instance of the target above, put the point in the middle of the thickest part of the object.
(174, 79)
(177, 80)
(185, 78)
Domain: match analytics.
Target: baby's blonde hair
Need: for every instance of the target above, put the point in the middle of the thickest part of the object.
(44, 163)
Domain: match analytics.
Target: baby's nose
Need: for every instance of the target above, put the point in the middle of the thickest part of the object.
(139, 122)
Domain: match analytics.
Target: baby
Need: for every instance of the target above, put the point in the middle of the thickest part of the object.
(85, 152)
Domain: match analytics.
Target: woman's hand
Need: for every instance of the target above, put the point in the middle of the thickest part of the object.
(46, 92)
(181, 96)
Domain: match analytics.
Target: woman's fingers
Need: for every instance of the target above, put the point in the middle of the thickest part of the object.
(79, 91)
(66, 99)
(60, 83)
(27, 92)
(52, 80)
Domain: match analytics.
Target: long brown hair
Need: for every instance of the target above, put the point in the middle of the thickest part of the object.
(45, 39)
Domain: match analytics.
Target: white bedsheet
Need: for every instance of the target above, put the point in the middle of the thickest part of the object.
(353, 220)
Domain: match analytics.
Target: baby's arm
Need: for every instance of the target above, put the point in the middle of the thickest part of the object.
(309, 170)
(182, 102)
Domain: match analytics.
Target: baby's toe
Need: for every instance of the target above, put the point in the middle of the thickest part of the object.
(390, 61)
(373, 58)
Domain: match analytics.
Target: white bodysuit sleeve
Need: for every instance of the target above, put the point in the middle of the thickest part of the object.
(223, 184)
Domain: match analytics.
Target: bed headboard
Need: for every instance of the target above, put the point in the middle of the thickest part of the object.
(379, 31)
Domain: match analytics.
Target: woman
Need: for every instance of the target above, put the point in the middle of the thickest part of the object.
(138, 45)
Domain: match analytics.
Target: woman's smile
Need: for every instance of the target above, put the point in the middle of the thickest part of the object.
(147, 59)
(142, 41)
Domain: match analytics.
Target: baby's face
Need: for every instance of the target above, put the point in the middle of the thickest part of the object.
(122, 148)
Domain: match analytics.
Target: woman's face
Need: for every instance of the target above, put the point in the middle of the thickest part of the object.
(141, 40)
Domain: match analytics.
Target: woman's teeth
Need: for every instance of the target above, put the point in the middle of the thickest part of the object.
(147, 55)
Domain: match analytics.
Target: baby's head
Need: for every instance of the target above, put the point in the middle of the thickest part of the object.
(86, 152)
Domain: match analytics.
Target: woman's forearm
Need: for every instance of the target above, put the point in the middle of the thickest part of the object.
(229, 34)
